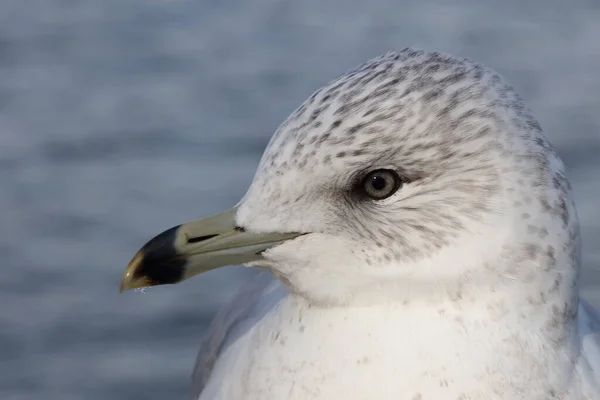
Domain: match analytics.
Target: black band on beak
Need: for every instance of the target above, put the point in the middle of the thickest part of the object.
(161, 264)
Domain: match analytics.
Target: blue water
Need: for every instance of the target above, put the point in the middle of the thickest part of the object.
(120, 118)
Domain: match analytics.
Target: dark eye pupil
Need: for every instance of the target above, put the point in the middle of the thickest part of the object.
(378, 182)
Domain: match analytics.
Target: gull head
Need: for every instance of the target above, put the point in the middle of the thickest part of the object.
(414, 175)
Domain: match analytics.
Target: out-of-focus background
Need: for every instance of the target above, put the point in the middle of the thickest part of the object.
(120, 118)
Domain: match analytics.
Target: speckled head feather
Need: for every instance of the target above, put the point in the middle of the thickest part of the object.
(475, 162)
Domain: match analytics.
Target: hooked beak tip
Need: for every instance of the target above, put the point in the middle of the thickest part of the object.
(132, 279)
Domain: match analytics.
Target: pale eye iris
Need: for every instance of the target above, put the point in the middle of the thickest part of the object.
(381, 183)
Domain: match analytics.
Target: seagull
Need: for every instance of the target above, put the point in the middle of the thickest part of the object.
(417, 239)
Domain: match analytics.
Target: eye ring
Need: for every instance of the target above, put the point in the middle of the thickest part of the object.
(380, 184)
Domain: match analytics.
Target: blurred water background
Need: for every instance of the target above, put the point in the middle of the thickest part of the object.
(120, 118)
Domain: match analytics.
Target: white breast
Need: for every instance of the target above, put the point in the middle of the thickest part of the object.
(299, 352)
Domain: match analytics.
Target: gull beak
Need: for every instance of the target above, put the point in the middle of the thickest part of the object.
(196, 247)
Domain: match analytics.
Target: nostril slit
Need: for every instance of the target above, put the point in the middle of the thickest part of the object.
(200, 238)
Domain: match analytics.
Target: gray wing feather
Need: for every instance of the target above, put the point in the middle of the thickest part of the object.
(589, 329)
(246, 307)
(589, 321)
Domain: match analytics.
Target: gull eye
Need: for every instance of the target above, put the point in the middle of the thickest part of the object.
(380, 184)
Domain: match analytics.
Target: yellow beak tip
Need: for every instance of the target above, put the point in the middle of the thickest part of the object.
(129, 279)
